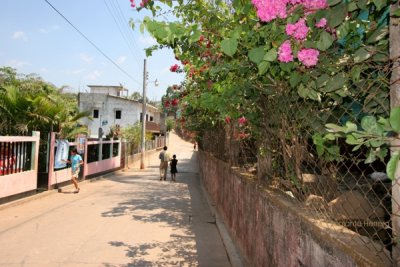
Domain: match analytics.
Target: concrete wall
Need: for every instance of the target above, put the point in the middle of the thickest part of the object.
(271, 229)
(13, 184)
(107, 106)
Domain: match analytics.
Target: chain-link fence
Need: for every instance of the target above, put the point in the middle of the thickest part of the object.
(298, 154)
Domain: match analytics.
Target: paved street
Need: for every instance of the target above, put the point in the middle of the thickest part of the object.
(126, 219)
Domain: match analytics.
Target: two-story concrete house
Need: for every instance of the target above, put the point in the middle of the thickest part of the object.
(109, 106)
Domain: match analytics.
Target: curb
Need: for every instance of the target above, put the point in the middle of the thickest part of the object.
(232, 251)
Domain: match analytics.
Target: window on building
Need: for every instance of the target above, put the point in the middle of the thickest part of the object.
(141, 116)
(147, 117)
(151, 118)
(95, 113)
(118, 114)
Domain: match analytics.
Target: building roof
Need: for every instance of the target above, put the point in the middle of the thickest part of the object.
(152, 127)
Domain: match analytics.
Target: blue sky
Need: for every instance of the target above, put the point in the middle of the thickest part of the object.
(35, 39)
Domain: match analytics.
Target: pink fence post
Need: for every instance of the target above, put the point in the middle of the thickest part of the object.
(51, 159)
(85, 159)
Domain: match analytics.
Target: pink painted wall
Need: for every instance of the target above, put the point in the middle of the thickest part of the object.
(270, 229)
(16, 183)
(60, 176)
(103, 165)
(13, 184)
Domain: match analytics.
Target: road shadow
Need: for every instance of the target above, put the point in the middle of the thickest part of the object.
(180, 205)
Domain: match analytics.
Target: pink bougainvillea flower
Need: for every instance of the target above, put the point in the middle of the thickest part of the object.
(298, 30)
(308, 56)
(242, 120)
(175, 102)
(285, 52)
(321, 23)
(174, 68)
(243, 135)
(315, 4)
(268, 10)
(166, 104)
(227, 119)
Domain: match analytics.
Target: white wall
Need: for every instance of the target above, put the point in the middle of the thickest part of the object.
(107, 105)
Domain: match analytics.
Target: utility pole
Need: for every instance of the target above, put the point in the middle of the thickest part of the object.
(143, 147)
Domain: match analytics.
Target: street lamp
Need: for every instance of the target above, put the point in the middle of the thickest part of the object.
(143, 146)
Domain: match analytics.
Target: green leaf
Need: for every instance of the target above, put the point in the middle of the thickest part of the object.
(322, 80)
(308, 93)
(343, 30)
(351, 140)
(229, 46)
(331, 127)
(263, 67)
(355, 73)
(378, 34)
(271, 55)
(379, 4)
(335, 83)
(142, 28)
(382, 153)
(351, 127)
(371, 157)
(333, 2)
(394, 119)
(195, 36)
(325, 41)
(256, 54)
(295, 79)
(337, 15)
(369, 124)
(391, 167)
(362, 4)
(361, 54)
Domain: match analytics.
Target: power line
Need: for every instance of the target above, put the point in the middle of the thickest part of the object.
(117, 21)
(93, 44)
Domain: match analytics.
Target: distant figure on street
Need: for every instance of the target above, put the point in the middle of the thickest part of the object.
(174, 170)
(76, 162)
(194, 145)
(164, 159)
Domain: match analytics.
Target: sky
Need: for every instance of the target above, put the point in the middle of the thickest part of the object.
(36, 39)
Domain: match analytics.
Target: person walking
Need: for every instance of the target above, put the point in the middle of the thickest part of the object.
(174, 170)
(76, 162)
(164, 159)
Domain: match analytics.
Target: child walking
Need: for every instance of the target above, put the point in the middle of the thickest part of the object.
(76, 161)
(173, 164)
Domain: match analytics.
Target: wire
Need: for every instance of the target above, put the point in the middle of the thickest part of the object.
(93, 44)
(117, 19)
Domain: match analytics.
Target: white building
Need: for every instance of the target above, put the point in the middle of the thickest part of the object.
(109, 107)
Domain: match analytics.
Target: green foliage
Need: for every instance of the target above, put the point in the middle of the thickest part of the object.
(170, 124)
(232, 67)
(27, 103)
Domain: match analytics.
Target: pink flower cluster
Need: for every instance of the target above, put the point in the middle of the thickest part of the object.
(132, 3)
(285, 52)
(242, 120)
(298, 30)
(321, 23)
(268, 10)
(174, 68)
(308, 56)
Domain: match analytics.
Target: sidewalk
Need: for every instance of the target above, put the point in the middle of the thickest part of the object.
(127, 219)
